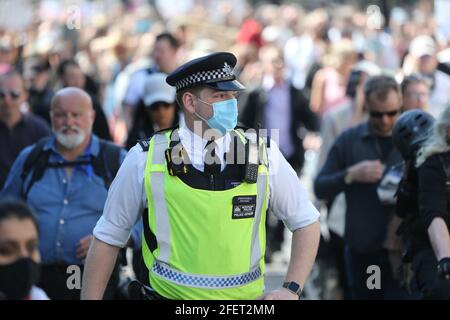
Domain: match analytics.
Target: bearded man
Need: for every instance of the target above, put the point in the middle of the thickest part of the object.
(65, 180)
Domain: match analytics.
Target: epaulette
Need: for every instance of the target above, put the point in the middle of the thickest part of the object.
(145, 144)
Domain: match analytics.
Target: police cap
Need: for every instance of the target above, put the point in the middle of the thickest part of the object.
(214, 71)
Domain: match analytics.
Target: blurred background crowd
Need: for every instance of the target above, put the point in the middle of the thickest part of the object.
(303, 62)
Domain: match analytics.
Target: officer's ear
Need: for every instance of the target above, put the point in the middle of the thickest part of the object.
(188, 101)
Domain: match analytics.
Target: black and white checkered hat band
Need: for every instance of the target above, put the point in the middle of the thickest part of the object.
(205, 76)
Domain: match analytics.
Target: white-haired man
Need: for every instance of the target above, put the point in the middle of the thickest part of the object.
(65, 179)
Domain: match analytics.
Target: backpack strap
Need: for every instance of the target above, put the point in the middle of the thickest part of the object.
(36, 161)
(107, 163)
(145, 143)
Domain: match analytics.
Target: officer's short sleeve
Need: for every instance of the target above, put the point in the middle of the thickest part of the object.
(125, 202)
(288, 199)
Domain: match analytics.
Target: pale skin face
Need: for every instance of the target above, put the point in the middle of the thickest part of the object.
(383, 125)
(416, 96)
(72, 108)
(193, 105)
(39, 79)
(277, 68)
(12, 97)
(164, 55)
(427, 64)
(74, 77)
(18, 239)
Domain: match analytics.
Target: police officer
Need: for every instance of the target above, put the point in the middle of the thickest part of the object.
(422, 201)
(207, 187)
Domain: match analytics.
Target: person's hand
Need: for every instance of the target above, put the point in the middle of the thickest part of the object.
(368, 171)
(83, 246)
(444, 268)
(279, 294)
(312, 141)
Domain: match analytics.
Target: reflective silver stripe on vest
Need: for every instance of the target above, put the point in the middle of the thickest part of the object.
(159, 201)
(256, 245)
(203, 281)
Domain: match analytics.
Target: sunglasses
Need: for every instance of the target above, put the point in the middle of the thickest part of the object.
(14, 94)
(379, 115)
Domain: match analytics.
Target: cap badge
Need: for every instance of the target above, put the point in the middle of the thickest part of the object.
(227, 69)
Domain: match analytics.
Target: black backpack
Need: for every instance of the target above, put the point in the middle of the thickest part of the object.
(105, 165)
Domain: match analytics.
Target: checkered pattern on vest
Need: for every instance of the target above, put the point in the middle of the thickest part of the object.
(204, 281)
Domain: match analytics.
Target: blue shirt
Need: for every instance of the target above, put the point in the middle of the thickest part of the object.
(67, 208)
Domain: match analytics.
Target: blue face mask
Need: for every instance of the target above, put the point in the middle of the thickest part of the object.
(224, 117)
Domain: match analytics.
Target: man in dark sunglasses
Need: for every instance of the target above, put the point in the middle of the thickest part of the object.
(359, 160)
(384, 107)
(13, 94)
(17, 129)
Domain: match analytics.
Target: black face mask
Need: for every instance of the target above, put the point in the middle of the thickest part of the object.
(17, 278)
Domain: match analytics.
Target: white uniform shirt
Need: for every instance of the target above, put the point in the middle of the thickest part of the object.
(38, 294)
(288, 199)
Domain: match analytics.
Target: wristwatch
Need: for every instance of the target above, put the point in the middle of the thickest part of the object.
(294, 287)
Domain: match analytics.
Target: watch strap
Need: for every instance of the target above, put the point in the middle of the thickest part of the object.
(294, 287)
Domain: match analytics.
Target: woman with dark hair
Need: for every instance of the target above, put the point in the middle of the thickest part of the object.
(19, 252)
(156, 111)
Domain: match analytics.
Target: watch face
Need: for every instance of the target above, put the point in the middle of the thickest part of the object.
(294, 286)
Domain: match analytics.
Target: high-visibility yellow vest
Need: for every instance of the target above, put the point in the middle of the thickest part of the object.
(202, 251)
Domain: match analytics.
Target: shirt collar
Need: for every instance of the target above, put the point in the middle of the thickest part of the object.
(192, 141)
(191, 137)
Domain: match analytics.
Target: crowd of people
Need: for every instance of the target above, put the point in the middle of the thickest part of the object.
(80, 86)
